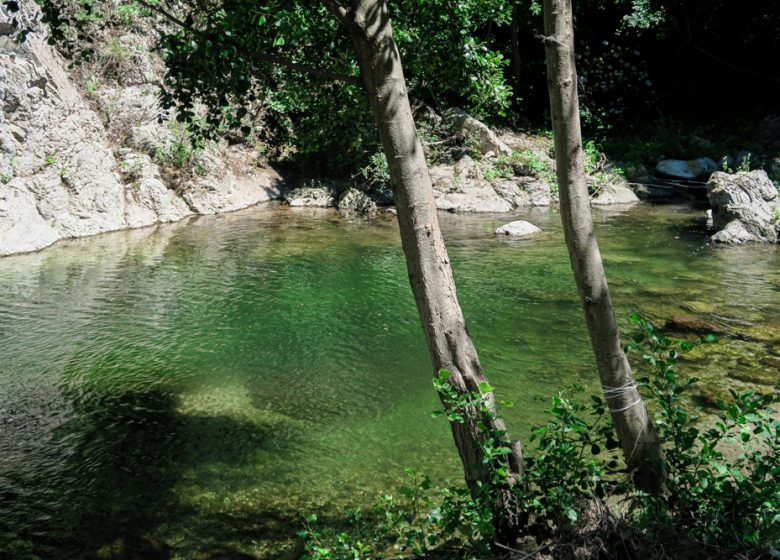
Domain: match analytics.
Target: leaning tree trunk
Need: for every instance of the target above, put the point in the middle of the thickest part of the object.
(430, 274)
(635, 430)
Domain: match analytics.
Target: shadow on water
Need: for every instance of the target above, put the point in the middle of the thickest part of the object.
(112, 491)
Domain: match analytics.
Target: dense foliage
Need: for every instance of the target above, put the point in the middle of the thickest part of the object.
(282, 72)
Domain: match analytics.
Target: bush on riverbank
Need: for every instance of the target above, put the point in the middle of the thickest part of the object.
(722, 496)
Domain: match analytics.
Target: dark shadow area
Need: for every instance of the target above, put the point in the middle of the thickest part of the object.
(111, 486)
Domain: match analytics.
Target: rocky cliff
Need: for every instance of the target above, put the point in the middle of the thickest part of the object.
(78, 161)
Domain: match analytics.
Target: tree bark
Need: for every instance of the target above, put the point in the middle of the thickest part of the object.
(634, 427)
(430, 275)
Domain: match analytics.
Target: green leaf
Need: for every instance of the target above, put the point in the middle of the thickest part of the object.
(485, 387)
(279, 41)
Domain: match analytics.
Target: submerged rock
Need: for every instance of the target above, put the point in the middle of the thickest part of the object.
(745, 208)
(519, 228)
(686, 324)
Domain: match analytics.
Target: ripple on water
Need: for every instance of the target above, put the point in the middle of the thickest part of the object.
(179, 384)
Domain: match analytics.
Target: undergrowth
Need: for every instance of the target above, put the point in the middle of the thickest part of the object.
(722, 496)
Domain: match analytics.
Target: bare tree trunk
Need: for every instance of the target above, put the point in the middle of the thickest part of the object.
(635, 430)
(369, 27)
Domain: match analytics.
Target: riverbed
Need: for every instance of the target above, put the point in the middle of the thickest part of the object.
(188, 390)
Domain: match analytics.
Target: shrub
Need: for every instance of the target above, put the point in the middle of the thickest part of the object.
(722, 470)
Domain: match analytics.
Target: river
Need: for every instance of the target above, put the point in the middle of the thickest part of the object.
(187, 391)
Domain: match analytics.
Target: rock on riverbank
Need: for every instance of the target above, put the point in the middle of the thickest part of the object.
(745, 208)
(72, 165)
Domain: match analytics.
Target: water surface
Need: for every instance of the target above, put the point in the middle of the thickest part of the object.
(186, 391)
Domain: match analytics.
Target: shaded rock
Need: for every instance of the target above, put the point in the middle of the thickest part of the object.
(318, 196)
(651, 192)
(423, 112)
(691, 169)
(614, 193)
(518, 228)
(353, 201)
(485, 139)
(745, 208)
(701, 143)
(638, 173)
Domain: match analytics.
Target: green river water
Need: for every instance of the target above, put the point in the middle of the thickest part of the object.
(188, 391)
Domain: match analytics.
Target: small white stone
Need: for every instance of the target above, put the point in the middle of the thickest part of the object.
(519, 228)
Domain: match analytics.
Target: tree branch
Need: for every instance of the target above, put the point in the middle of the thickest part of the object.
(260, 57)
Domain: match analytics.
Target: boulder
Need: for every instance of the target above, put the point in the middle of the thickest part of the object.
(462, 188)
(353, 201)
(477, 132)
(614, 193)
(523, 191)
(745, 208)
(699, 168)
(315, 195)
(519, 228)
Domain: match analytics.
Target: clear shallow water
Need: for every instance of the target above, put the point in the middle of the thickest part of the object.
(186, 391)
